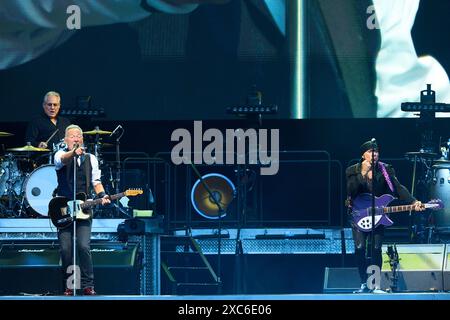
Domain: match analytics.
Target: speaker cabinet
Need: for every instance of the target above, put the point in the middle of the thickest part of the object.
(419, 269)
(30, 269)
(116, 268)
(446, 269)
(35, 268)
(341, 280)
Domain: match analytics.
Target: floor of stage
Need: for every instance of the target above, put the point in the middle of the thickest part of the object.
(286, 297)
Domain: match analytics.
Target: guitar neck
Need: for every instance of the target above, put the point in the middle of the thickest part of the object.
(92, 203)
(409, 207)
(398, 208)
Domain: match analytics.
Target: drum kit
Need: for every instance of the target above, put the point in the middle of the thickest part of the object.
(26, 184)
(435, 179)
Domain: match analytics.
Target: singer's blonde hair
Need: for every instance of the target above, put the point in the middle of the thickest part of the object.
(73, 126)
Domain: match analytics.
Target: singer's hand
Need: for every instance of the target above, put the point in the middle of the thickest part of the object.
(78, 151)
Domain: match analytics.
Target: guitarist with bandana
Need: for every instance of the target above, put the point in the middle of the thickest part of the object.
(359, 181)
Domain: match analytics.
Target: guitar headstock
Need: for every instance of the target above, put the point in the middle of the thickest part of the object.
(133, 192)
(437, 204)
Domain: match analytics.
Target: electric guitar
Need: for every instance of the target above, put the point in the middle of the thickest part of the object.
(362, 210)
(62, 210)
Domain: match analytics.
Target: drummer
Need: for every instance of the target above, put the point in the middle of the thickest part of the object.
(41, 128)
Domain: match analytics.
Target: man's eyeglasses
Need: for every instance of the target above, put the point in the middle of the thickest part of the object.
(49, 104)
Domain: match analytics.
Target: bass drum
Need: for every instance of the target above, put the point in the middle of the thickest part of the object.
(439, 188)
(39, 188)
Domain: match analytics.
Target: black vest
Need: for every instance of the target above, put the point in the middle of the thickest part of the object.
(84, 177)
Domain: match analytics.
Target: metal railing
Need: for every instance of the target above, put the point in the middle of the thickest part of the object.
(181, 214)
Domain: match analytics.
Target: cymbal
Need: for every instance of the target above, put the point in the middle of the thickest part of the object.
(5, 134)
(423, 155)
(97, 131)
(28, 148)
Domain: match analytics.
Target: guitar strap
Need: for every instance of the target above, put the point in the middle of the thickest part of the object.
(386, 175)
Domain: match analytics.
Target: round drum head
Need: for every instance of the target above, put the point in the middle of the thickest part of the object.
(39, 188)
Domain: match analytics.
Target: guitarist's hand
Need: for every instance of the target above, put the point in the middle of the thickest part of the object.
(105, 200)
(419, 206)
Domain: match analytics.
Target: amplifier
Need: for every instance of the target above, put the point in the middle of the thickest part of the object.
(35, 268)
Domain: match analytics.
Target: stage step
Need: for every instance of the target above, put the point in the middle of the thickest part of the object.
(186, 269)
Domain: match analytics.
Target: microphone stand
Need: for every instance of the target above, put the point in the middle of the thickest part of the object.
(118, 167)
(239, 251)
(372, 233)
(219, 226)
(74, 218)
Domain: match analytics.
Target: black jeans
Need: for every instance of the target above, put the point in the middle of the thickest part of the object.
(84, 256)
(362, 249)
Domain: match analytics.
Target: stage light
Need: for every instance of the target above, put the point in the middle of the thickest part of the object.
(253, 110)
(222, 189)
(417, 106)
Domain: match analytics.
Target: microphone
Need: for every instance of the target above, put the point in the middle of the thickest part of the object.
(75, 147)
(373, 142)
(115, 130)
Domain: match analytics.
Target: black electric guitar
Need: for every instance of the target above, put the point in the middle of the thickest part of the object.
(62, 210)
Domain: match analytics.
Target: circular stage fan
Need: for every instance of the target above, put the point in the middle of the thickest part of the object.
(222, 190)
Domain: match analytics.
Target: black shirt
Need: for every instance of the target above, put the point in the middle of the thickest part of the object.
(41, 128)
(357, 184)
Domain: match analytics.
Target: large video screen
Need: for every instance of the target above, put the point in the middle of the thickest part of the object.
(190, 59)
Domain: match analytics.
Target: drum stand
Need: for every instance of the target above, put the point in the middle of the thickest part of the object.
(418, 229)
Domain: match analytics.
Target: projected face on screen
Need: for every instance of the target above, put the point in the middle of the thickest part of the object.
(362, 58)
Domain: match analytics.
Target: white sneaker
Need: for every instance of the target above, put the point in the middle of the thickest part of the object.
(362, 289)
(378, 290)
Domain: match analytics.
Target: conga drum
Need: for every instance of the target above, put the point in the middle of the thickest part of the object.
(439, 188)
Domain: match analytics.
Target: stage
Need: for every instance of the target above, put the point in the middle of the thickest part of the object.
(266, 297)
(254, 264)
